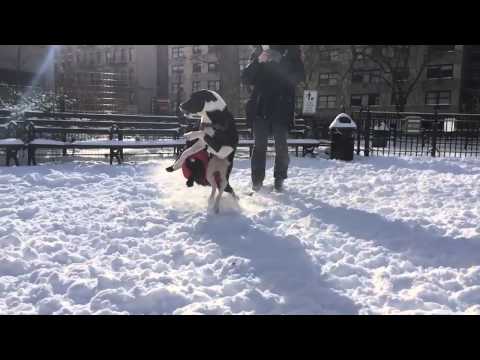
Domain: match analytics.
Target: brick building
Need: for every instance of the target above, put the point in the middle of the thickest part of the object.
(195, 67)
(112, 78)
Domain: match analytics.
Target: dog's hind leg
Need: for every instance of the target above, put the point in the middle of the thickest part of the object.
(219, 196)
(195, 148)
(221, 186)
(211, 180)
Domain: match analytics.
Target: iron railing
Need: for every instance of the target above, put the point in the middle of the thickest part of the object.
(417, 134)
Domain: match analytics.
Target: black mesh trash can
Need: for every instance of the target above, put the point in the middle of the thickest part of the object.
(342, 131)
(380, 136)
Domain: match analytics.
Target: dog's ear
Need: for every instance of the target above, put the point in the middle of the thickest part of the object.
(214, 102)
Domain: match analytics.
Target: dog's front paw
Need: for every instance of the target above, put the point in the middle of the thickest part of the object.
(192, 135)
(170, 169)
(189, 136)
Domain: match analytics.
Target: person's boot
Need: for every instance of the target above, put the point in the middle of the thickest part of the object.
(256, 186)
(278, 185)
(229, 190)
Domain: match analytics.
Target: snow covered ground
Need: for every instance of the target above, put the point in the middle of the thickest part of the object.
(375, 236)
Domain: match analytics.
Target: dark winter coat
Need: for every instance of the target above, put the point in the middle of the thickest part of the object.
(274, 84)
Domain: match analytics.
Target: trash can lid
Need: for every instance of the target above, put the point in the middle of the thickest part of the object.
(343, 121)
(383, 126)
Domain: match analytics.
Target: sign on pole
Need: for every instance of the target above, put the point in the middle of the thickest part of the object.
(310, 101)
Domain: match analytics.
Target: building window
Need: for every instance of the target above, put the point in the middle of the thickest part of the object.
(123, 76)
(328, 79)
(366, 77)
(440, 71)
(78, 57)
(177, 69)
(334, 55)
(196, 49)
(108, 57)
(115, 56)
(373, 99)
(195, 86)
(99, 57)
(438, 98)
(197, 68)
(356, 100)
(123, 55)
(441, 48)
(365, 100)
(176, 87)
(212, 67)
(327, 101)
(214, 85)
(329, 55)
(131, 52)
(388, 51)
(177, 52)
(131, 77)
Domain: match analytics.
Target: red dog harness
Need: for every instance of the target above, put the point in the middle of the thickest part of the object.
(201, 156)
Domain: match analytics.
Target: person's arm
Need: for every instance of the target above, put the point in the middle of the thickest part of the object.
(249, 74)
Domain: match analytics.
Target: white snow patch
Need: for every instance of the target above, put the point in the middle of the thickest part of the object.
(373, 236)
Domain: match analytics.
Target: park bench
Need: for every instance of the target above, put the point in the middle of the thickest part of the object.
(298, 137)
(99, 131)
(71, 131)
(11, 139)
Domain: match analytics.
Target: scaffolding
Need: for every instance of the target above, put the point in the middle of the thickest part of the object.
(99, 92)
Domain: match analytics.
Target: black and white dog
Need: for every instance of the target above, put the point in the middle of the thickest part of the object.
(217, 134)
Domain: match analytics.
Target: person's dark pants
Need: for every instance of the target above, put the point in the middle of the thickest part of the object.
(261, 131)
(230, 158)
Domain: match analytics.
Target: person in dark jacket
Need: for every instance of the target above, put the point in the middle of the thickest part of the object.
(274, 72)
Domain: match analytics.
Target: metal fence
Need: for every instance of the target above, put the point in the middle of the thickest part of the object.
(417, 134)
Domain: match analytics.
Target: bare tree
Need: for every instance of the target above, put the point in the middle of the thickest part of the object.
(400, 68)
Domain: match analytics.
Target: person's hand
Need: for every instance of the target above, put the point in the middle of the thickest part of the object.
(264, 57)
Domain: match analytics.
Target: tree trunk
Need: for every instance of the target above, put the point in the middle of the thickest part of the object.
(229, 69)
(18, 70)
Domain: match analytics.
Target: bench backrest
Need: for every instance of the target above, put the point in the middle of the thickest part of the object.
(12, 130)
(74, 126)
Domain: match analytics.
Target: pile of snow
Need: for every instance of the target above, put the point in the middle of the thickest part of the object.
(374, 236)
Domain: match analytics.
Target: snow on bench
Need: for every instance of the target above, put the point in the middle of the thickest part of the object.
(12, 142)
(109, 143)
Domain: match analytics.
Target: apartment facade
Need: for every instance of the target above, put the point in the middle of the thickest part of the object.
(448, 82)
(112, 78)
(195, 67)
(24, 66)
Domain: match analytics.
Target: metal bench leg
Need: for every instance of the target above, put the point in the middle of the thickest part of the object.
(31, 156)
(112, 155)
(116, 153)
(7, 157)
(15, 157)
